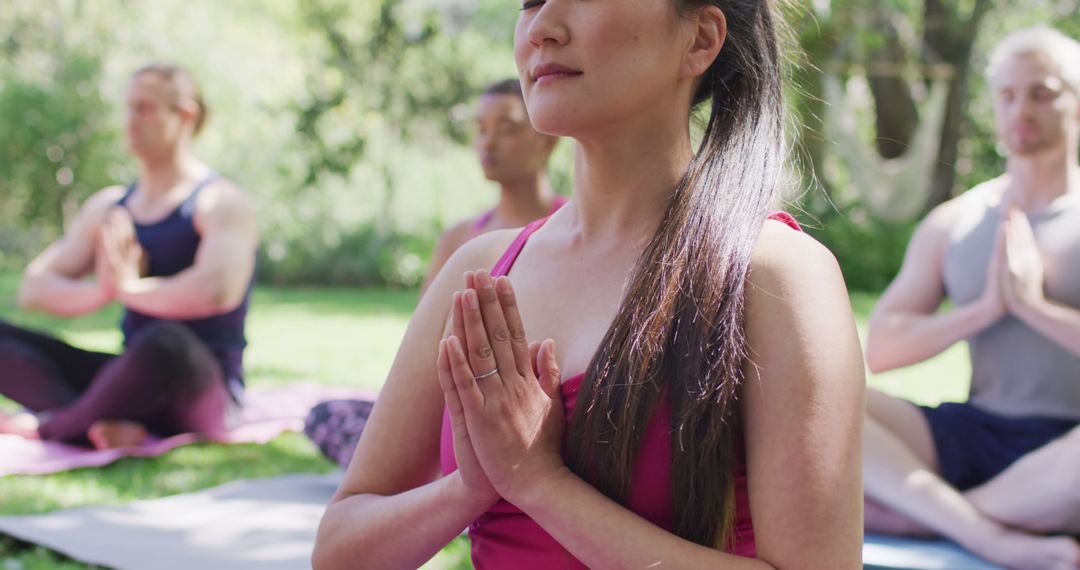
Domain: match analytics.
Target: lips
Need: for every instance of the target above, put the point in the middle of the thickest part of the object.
(551, 71)
(1025, 130)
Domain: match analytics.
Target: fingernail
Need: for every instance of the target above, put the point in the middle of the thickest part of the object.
(472, 299)
(483, 279)
(502, 285)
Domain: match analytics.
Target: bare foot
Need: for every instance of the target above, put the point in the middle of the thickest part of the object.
(22, 424)
(111, 434)
(879, 518)
(1028, 552)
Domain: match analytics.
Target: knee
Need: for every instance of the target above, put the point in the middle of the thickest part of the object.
(1062, 480)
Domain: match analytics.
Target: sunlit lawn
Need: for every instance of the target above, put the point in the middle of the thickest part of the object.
(329, 336)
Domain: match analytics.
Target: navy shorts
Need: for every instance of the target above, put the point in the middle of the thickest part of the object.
(973, 446)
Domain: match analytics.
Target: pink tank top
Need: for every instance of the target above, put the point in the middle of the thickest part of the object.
(505, 537)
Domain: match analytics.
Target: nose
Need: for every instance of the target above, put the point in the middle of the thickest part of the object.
(547, 25)
(485, 141)
(1024, 105)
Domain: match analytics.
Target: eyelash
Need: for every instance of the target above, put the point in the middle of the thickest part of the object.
(532, 4)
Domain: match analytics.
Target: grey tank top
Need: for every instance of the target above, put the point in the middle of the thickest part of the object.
(1016, 371)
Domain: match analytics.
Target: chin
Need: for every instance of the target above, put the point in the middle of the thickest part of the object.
(1032, 148)
(552, 115)
(556, 124)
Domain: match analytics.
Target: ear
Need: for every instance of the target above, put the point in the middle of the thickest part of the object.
(189, 111)
(709, 28)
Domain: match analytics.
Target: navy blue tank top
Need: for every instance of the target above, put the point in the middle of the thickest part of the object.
(170, 244)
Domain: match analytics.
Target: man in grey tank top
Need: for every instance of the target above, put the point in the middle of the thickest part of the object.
(998, 474)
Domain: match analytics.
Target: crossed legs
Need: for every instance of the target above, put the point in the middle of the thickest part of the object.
(906, 493)
(167, 381)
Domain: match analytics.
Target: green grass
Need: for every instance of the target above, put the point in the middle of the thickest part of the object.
(338, 337)
(329, 336)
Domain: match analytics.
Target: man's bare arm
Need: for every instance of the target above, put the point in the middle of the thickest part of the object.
(55, 281)
(218, 279)
(906, 326)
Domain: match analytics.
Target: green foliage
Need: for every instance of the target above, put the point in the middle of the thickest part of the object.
(349, 121)
(870, 251)
(54, 151)
(359, 257)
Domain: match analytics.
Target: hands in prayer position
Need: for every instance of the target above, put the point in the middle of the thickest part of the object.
(502, 393)
(119, 258)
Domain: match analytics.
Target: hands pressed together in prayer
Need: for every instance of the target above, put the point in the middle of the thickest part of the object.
(503, 394)
(119, 259)
(1014, 280)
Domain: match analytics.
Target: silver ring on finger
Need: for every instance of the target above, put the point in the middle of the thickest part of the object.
(493, 372)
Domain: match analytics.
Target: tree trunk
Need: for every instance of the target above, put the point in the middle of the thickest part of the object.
(896, 115)
(949, 38)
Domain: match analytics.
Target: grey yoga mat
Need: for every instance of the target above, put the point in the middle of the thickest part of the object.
(271, 523)
(259, 524)
(889, 553)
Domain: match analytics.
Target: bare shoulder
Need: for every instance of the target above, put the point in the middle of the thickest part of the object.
(785, 261)
(795, 285)
(974, 202)
(224, 204)
(932, 235)
(223, 193)
(455, 236)
(97, 206)
(480, 252)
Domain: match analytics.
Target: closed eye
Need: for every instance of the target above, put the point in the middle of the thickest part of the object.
(532, 4)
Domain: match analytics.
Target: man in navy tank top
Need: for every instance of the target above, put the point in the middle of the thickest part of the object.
(997, 474)
(177, 250)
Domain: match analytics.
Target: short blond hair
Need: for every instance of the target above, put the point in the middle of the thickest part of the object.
(1041, 39)
(183, 87)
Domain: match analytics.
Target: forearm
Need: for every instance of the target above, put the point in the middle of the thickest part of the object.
(190, 294)
(898, 339)
(1057, 322)
(398, 531)
(61, 296)
(603, 534)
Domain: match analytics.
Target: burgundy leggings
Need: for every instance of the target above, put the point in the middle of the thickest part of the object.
(166, 379)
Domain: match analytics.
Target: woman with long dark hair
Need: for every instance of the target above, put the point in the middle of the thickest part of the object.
(711, 414)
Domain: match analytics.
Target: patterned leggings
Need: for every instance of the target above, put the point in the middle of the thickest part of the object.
(335, 427)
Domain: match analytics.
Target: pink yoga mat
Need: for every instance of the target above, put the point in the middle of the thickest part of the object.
(266, 414)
